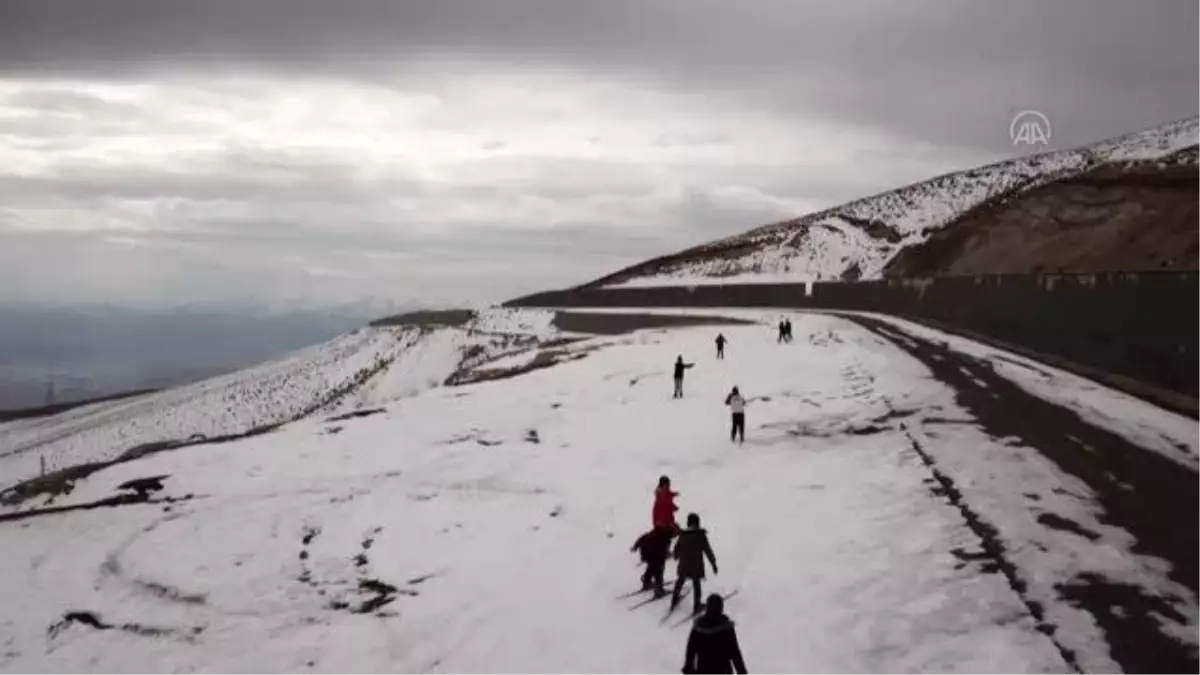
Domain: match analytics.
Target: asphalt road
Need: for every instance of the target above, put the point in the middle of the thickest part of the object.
(1139, 490)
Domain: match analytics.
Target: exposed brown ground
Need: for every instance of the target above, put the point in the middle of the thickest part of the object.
(1118, 217)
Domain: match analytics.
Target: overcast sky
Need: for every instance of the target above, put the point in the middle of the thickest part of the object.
(309, 152)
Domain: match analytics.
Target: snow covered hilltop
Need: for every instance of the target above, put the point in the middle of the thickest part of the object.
(1127, 203)
(461, 495)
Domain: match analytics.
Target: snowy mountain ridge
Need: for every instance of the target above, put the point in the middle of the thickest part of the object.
(858, 239)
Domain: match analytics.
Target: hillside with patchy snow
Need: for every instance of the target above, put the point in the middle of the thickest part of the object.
(858, 239)
(370, 366)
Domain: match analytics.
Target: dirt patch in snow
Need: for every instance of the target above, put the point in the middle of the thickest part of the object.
(93, 620)
(549, 354)
(1057, 522)
(598, 323)
(428, 318)
(356, 414)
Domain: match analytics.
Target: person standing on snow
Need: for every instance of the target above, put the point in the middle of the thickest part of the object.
(691, 548)
(712, 646)
(737, 405)
(654, 547)
(721, 345)
(663, 513)
(787, 329)
(680, 366)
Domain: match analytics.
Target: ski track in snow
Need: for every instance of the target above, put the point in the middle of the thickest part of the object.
(486, 527)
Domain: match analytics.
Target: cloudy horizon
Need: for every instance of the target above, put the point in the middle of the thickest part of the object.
(296, 153)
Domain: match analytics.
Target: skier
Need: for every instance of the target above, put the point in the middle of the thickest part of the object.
(787, 329)
(712, 646)
(721, 345)
(663, 513)
(737, 405)
(782, 331)
(691, 548)
(680, 366)
(654, 547)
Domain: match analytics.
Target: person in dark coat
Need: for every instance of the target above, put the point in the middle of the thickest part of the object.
(782, 331)
(680, 366)
(712, 646)
(691, 548)
(721, 345)
(787, 330)
(654, 547)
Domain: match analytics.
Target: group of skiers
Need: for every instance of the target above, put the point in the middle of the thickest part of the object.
(712, 646)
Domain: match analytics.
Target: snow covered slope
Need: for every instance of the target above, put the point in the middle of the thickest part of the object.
(370, 366)
(872, 522)
(856, 240)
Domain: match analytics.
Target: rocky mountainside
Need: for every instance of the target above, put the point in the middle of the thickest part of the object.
(1120, 216)
(861, 238)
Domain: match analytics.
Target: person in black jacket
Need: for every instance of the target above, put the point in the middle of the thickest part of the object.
(712, 646)
(654, 547)
(680, 366)
(721, 345)
(691, 549)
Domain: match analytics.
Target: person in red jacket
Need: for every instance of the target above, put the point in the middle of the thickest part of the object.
(663, 513)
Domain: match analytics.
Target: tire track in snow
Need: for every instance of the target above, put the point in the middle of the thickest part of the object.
(993, 548)
(1136, 489)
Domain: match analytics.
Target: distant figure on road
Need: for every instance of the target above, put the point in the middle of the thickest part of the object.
(737, 405)
(663, 513)
(721, 345)
(654, 547)
(712, 646)
(680, 366)
(691, 548)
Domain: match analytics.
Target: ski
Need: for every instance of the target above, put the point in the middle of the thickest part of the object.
(666, 584)
(671, 610)
(696, 615)
(649, 600)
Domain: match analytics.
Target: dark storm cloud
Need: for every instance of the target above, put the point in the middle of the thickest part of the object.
(152, 150)
(950, 72)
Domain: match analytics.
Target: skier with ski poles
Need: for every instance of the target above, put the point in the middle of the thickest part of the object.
(654, 547)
